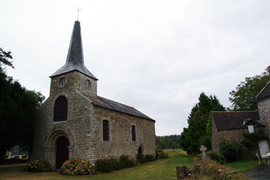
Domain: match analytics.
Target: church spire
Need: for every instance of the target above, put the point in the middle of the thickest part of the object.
(75, 51)
(75, 59)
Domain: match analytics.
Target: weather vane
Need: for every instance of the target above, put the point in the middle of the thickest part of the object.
(78, 13)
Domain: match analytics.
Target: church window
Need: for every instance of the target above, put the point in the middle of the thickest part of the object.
(62, 82)
(87, 84)
(133, 133)
(60, 109)
(105, 130)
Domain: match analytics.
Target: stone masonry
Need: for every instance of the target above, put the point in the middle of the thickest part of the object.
(86, 111)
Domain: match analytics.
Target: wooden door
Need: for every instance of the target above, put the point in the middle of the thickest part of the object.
(61, 151)
(140, 150)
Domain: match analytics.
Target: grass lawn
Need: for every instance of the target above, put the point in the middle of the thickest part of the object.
(159, 169)
(243, 165)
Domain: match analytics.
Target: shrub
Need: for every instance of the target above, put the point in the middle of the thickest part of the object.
(140, 158)
(107, 165)
(4, 157)
(211, 170)
(126, 162)
(252, 139)
(160, 153)
(38, 165)
(77, 166)
(219, 158)
(149, 158)
(213, 155)
(231, 151)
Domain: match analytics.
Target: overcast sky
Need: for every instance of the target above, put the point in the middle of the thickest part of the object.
(157, 56)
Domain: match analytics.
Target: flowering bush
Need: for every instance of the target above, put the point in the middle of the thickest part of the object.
(77, 166)
(38, 165)
(161, 153)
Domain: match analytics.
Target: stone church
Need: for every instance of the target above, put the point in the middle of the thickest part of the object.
(75, 121)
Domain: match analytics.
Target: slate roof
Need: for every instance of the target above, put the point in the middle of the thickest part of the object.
(16, 151)
(75, 60)
(265, 92)
(225, 120)
(116, 106)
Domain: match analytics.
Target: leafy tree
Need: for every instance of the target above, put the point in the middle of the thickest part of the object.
(198, 120)
(18, 108)
(244, 97)
(4, 58)
(168, 142)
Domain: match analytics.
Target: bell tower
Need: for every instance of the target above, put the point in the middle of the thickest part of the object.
(74, 75)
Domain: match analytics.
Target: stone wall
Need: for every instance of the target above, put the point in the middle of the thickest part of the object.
(76, 128)
(215, 140)
(120, 135)
(264, 112)
(83, 127)
(229, 136)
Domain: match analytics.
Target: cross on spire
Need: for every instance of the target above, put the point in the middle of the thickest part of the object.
(78, 13)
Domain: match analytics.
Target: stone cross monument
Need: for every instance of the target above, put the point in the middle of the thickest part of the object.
(203, 149)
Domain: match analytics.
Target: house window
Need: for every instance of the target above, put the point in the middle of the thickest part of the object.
(105, 130)
(250, 129)
(133, 133)
(88, 84)
(60, 109)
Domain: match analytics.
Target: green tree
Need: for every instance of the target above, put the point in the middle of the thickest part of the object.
(168, 142)
(18, 108)
(198, 120)
(4, 58)
(244, 97)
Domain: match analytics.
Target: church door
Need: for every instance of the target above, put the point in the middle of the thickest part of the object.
(140, 150)
(61, 151)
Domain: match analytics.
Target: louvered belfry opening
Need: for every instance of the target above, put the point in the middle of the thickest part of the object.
(60, 109)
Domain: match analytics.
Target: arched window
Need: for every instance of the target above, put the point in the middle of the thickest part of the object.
(60, 109)
(105, 130)
(133, 133)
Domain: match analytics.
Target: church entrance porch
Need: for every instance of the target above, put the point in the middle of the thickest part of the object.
(61, 151)
(59, 147)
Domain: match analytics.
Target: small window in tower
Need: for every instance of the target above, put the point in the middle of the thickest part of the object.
(133, 133)
(105, 130)
(88, 84)
(62, 82)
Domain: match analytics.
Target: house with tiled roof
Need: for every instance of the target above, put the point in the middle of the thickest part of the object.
(230, 126)
(263, 101)
(75, 121)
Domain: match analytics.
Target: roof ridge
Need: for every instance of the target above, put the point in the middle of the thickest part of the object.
(231, 111)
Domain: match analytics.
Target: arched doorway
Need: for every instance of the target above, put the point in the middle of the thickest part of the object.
(61, 151)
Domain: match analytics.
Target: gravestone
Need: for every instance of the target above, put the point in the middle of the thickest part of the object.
(196, 166)
(203, 149)
(181, 172)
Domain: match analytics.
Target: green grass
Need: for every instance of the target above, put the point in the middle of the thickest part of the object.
(243, 165)
(158, 169)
